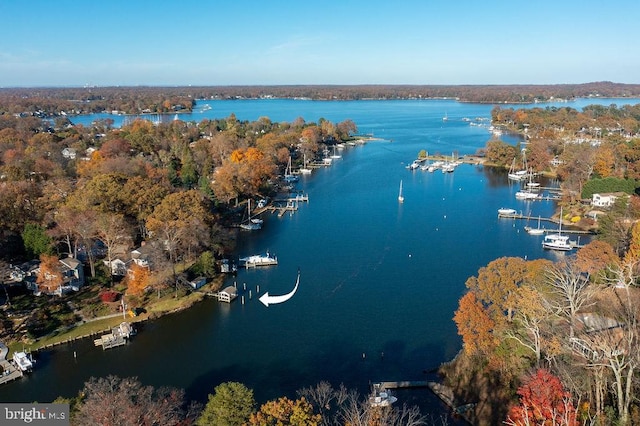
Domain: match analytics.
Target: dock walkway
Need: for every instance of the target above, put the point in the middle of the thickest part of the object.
(405, 384)
(118, 336)
(521, 216)
(9, 370)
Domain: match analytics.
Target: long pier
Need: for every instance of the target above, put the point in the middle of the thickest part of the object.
(521, 216)
(405, 384)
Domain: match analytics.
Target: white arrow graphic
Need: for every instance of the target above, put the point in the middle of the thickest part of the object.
(266, 299)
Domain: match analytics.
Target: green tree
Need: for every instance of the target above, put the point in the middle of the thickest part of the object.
(36, 241)
(231, 404)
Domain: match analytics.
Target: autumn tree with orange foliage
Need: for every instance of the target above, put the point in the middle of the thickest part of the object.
(137, 280)
(496, 283)
(49, 277)
(284, 411)
(596, 259)
(543, 401)
(474, 325)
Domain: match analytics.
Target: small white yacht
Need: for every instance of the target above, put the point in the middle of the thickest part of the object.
(258, 260)
(22, 360)
(380, 397)
(557, 242)
(504, 211)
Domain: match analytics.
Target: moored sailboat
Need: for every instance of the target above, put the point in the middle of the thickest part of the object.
(558, 241)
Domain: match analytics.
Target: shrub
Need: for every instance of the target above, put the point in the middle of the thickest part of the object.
(109, 296)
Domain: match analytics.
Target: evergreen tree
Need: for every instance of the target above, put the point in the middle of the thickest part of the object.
(231, 404)
(36, 241)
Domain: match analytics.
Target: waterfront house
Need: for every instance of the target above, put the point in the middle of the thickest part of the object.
(606, 199)
(142, 255)
(118, 266)
(68, 277)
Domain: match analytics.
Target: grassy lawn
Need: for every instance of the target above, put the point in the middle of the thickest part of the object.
(73, 333)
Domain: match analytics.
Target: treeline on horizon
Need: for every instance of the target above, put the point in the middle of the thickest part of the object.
(138, 99)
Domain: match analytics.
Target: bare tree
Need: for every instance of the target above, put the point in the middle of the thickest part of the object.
(571, 291)
(113, 401)
(325, 400)
(530, 316)
(613, 344)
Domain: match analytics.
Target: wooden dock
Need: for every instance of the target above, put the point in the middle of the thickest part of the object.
(118, 336)
(446, 395)
(282, 205)
(9, 372)
(521, 216)
(405, 384)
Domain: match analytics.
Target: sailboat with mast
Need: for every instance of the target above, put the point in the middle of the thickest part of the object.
(558, 241)
(400, 196)
(305, 170)
(289, 177)
(251, 224)
(535, 231)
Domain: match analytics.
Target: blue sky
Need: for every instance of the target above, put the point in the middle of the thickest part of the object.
(243, 42)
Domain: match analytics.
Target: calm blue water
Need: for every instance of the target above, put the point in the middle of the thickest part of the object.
(379, 282)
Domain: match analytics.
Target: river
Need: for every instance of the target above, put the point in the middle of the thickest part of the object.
(379, 283)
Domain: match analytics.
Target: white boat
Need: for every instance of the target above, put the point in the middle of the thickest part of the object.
(305, 170)
(527, 194)
(414, 165)
(22, 360)
(334, 155)
(288, 173)
(380, 397)
(258, 260)
(503, 211)
(251, 224)
(558, 241)
(448, 167)
(515, 174)
(400, 196)
(536, 231)
(531, 183)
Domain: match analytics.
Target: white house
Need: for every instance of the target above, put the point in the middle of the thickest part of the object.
(142, 255)
(605, 200)
(69, 153)
(118, 266)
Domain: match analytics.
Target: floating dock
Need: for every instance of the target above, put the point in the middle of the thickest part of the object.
(118, 336)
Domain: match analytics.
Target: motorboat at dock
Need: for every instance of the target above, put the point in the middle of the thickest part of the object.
(381, 397)
(258, 260)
